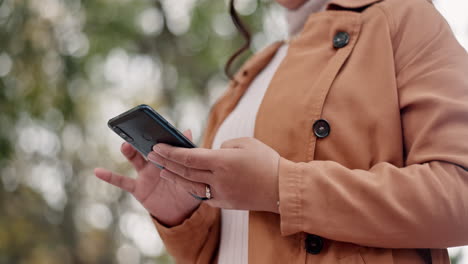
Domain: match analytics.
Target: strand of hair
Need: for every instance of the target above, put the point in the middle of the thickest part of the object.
(242, 28)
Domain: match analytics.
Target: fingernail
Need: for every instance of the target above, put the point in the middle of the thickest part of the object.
(153, 157)
(127, 151)
(166, 176)
(102, 176)
(157, 148)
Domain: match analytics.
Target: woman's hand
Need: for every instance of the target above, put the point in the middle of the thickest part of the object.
(242, 175)
(169, 203)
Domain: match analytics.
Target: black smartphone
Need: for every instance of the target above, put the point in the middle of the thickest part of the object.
(143, 128)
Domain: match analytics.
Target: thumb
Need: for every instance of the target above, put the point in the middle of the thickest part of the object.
(188, 134)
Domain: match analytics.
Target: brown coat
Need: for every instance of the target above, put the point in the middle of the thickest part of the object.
(392, 174)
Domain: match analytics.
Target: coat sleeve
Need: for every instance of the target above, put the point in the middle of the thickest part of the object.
(196, 240)
(425, 203)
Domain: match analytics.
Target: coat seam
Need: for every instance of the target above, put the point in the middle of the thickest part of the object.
(389, 17)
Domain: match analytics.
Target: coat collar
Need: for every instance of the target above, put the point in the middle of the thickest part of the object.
(350, 4)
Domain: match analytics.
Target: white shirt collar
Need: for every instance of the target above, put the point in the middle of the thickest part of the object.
(297, 18)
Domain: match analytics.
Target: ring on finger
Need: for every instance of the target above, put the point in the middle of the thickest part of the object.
(208, 195)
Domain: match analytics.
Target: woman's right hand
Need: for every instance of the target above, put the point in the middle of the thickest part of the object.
(168, 202)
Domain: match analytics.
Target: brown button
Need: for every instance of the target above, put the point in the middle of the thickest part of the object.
(321, 128)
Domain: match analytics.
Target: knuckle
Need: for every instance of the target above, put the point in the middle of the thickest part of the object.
(234, 143)
(175, 180)
(228, 143)
(163, 162)
(119, 181)
(188, 160)
(166, 153)
(169, 176)
(222, 165)
(187, 173)
(113, 178)
(249, 139)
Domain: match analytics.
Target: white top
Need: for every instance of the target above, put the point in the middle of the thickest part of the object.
(240, 122)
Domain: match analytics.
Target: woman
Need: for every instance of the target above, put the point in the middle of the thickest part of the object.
(346, 144)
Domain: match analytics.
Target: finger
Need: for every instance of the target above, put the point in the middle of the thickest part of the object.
(190, 174)
(124, 183)
(188, 134)
(196, 188)
(197, 158)
(133, 156)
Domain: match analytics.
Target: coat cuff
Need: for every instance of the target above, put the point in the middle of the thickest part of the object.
(191, 226)
(290, 194)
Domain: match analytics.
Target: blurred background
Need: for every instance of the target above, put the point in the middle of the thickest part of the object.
(66, 67)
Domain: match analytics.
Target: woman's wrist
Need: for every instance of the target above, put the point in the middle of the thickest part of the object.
(179, 216)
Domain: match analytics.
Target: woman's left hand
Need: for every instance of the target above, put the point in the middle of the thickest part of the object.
(242, 174)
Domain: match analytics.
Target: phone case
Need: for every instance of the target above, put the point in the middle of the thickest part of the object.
(143, 128)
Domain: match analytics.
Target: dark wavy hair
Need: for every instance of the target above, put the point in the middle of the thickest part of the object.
(244, 31)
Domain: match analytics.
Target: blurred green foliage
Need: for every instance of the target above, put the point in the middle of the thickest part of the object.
(457, 258)
(66, 66)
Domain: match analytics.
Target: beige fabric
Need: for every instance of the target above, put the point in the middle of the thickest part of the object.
(391, 176)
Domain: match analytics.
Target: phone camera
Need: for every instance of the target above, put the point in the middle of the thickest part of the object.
(123, 135)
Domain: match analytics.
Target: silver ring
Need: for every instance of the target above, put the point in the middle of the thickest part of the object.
(207, 194)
